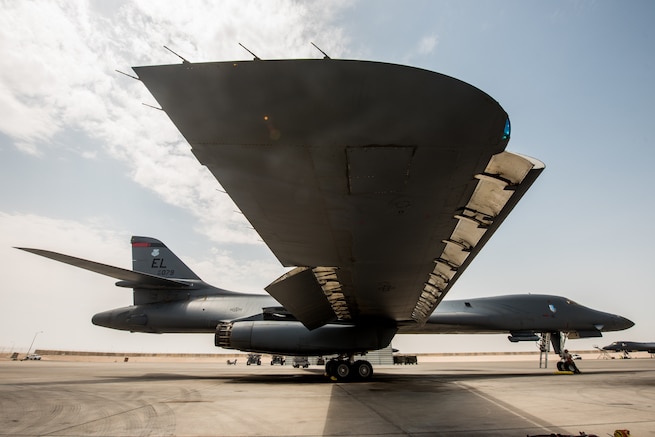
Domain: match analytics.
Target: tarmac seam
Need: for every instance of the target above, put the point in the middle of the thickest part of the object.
(149, 427)
(504, 406)
(369, 407)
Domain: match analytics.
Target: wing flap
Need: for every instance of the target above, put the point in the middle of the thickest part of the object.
(505, 179)
(301, 294)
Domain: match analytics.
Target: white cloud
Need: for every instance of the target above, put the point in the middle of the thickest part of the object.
(60, 79)
(27, 147)
(25, 122)
(221, 268)
(63, 56)
(92, 239)
(39, 295)
(427, 44)
(424, 47)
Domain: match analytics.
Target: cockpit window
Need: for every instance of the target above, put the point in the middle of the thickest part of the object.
(570, 302)
(552, 308)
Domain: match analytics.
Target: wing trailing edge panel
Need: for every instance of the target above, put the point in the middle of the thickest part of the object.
(499, 188)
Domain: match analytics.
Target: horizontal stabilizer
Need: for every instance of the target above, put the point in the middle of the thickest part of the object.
(131, 278)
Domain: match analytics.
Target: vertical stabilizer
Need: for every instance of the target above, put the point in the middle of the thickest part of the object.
(151, 256)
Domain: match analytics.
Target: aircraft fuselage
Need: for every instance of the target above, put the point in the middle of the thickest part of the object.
(520, 313)
(199, 314)
(516, 313)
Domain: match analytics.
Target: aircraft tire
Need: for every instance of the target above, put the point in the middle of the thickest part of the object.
(331, 368)
(363, 370)
(342, 371)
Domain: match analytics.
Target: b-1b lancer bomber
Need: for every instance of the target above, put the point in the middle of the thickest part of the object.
(170, 298)
(378, 184)
(631, 346)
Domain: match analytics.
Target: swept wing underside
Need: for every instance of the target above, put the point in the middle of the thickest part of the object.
(381, 182)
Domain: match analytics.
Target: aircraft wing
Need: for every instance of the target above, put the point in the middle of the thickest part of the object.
(130, 278)
(379, 182)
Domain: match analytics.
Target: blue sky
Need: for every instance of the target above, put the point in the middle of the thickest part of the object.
(84, 165)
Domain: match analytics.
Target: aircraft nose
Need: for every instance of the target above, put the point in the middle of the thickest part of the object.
(625, 323)
(619, 323)
(613, 322)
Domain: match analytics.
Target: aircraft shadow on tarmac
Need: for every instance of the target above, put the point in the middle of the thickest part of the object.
(314, 376)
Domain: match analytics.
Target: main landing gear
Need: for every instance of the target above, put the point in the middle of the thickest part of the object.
(348, 370)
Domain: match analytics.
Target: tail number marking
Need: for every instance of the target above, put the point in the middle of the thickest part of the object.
(158, 263)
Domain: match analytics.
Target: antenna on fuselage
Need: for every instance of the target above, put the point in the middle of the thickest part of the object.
(150, 106)
(184, 61)
(246, 49)
(128, 75)
(325, 55)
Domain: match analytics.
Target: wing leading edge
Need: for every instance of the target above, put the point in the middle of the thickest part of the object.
(379, 182)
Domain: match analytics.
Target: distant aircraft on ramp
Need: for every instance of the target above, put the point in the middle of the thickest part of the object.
(631, 346)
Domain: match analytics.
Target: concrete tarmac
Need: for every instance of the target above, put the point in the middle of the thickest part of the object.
(512, 398)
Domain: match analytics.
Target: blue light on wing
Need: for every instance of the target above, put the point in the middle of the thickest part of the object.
(507, 130)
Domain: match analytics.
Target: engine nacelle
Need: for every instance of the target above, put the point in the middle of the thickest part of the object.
(293, 338)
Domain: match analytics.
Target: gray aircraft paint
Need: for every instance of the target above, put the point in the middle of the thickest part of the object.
(258, 323)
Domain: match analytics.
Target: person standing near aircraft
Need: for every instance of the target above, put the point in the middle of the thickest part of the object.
(569, 364)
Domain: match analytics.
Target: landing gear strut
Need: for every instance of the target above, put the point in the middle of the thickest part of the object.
(347, 370)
